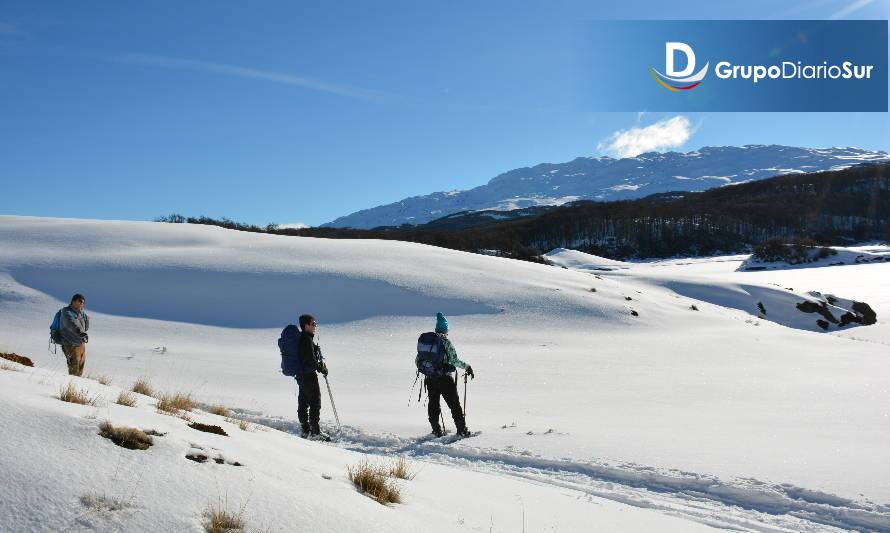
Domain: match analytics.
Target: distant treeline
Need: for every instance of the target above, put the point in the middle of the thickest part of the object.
(826, 208)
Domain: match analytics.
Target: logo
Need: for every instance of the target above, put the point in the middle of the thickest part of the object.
(679, 81)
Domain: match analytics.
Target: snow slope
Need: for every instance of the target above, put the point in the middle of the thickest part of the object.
(60, 475)
(605, 179)
(713, 415)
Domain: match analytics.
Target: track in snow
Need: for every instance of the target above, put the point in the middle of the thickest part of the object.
(740, 504)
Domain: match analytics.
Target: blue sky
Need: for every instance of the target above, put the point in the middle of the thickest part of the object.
(296, 112)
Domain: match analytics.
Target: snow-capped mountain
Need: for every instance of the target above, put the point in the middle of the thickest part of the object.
(606, 178)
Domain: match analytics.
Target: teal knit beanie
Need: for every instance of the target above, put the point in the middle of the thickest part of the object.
(441, 323)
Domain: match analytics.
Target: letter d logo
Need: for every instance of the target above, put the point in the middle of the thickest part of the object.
(669, 50)
(678, 81)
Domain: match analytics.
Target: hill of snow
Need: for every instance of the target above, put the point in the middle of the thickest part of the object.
(606, 178)
(801, 309)
(60, 475)
(623, 394)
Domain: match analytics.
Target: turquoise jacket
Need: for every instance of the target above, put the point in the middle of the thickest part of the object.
(451, 357)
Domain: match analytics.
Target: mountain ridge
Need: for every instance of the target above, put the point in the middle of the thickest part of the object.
(606, 178)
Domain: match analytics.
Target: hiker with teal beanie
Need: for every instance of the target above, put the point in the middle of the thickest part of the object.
(436, 360)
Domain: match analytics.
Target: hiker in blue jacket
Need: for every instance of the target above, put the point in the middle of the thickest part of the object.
(444, 385)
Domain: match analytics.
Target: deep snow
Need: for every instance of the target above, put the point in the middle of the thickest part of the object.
(769, 425)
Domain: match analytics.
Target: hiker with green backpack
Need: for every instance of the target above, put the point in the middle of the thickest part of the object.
(69, 328)
(436, 359)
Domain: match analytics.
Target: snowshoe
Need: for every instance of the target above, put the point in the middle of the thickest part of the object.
(459, 436)
(320, 436)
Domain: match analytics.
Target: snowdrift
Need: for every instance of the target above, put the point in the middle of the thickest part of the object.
(626, 367)
(816, 258)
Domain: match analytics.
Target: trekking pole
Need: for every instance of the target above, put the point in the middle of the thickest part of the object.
(465, 394)
(412, 389)
(334, 407)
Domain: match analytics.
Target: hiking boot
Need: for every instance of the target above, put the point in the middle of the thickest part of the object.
(320, 436)
(438, 432)
(304, 429)
(315, 433)
(463, 432)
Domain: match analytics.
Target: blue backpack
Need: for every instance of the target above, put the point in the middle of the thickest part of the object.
(431, 356)
(55, 329)
(289, 345)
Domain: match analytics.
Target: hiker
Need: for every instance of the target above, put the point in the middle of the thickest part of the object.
(436, 359)
(73, 326)
(311, 362)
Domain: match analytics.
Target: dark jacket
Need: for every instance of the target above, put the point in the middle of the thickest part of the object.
(311, 360)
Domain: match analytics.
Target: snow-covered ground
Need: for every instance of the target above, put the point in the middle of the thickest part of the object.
(715, 416)
(60, 475)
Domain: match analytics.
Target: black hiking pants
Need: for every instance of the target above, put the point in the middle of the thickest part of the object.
(309, 401)
(446, 388)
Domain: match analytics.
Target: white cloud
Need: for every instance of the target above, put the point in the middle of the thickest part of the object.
(664, 134)
(238, 71)
(294, 225)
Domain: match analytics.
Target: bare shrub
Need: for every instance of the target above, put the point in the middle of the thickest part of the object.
(16, 358)
(103, 504)
(220, 410)
(372, 481)
(130, 438)
(126, 398)
(401, 468)
(208, 428)
(72, 394)
(143, 386)
(242, 424)
(175, 403)
(217, 519)
(101, 378)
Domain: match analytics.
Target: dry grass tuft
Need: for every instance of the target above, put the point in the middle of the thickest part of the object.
(220, 410)
(143, 386)
(219, 520)
(101, 378)
(207, 428)
(16, 358)
(401, 468)
(243, 425)
(126, 398)
(103, 504)
(72, 394)
(130, 438)
(175, 403)
(373, 481)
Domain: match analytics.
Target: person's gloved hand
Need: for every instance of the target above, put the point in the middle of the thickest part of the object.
(469, 372)
(84, 337)
(324, 370)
